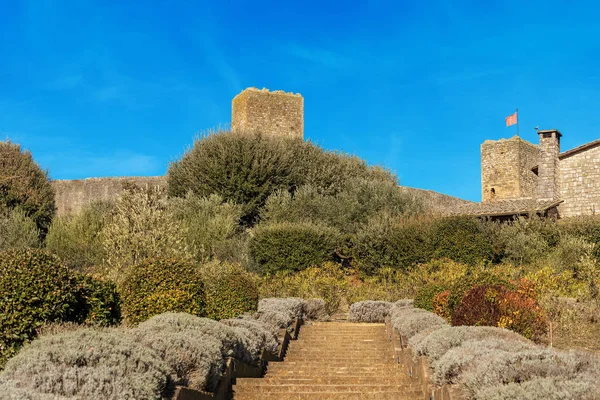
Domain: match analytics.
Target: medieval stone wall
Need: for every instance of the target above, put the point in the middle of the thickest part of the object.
(270, 113)
(529, 158)
(579, 183)
(73, 195)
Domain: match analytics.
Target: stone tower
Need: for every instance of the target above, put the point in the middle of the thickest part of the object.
(508, 169)
(270, 113)
(547, 187)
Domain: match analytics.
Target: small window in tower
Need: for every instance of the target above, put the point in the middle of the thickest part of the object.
(535, 170)
(493, 192)
(547, 135)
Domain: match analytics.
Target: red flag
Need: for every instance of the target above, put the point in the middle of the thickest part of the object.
(511, 119)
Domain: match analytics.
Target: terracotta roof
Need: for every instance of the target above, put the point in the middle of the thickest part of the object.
(579, 149)
(506, 207)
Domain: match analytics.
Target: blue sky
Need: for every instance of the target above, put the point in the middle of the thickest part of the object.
(115, 88)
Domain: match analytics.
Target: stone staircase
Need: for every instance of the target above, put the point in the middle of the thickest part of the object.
(334, 360)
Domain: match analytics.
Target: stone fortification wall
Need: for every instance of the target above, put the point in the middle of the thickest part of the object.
(270, 113)
(579, 183)
(436, 203)
(506, 169)
(73, 195)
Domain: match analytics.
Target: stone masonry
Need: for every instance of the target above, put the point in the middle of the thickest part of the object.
(514, 171)
(270, 113)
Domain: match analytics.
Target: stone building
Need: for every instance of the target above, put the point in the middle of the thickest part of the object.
(518, 177)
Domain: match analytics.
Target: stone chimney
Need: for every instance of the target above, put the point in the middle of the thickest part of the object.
(547, 185)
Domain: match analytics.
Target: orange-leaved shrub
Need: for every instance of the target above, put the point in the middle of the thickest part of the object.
(497, 305)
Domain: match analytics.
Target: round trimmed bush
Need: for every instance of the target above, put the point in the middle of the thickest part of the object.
(159, 285)
(229, 290)
(291, 247)
(24, 184)
(467, 282)
(35, 288)
(90, 364)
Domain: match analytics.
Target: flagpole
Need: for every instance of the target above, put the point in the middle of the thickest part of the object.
(517, 112)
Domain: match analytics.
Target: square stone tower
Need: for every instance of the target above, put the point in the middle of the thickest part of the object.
(547, 188)
(271, 113)
(509, 169)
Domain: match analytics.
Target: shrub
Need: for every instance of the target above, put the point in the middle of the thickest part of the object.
(229, 290)
(243, 169)
(10, 391)
(17, 230)
(425, 296)
(206, 221)
(36, 288)
(410, 321)
(77, 239)
(260, 335)
(553, 388)
(327, 282)
(98, 302)
(505, 368)
(140, 228)
(461, 286)
(387, 241)
(246, 169)
(291, 247)
(90, 364)
(357, 201)
(316, 310)
(160, 285)
(194, 356)
(369, 311)
(436, 344)
(278, 313)
(448, 367)
(23, 184)
(495, 305)
(462, 239)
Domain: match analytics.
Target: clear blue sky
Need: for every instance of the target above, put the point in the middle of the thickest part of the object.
(115, 88)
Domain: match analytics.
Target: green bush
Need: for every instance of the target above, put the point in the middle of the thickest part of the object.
(141, 227)
(462, 285)
(24, 184)
(246, 169)
(35, 288)
(387, 241)
(77, 239)
(291, 246)
(347, 210)
(206, 221)
(461, 239)
(98, 302)
(159, 285)
(17, 230)
(425, 295)
(230, 291)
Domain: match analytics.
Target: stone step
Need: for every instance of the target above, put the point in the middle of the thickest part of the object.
(321, 388)
(341, 359)
(401, 395)
(327, 380)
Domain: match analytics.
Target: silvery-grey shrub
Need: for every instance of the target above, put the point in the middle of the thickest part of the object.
(292, 305)
(504, 367)
(259, 335)
(552, 388)
(448, 367)
(404, 303)
(315, 310)
(275, 320)
(90, 364)
(194, 359)
(10, 391)
(410, 321)
(369, 311)
(436, 344)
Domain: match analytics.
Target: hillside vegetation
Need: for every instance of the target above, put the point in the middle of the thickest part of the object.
(247, 217)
